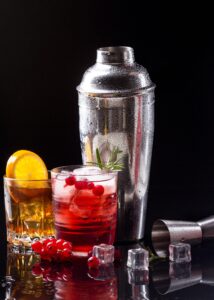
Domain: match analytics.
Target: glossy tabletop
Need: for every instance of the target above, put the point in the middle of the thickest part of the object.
(24, 277)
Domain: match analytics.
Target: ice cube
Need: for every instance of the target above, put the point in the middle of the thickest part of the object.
(104, 252)
(180, 252)
(138, 259)
(87, 170)
(92, 173)
(61, 191)
(138, 277)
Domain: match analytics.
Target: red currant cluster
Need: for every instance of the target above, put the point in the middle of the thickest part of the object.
(53, 250)
(97, 190)
(53, 271)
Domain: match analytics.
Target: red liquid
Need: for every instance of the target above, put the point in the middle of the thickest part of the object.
(85, 219)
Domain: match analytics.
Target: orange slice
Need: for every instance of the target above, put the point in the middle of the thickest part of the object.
(24, 166)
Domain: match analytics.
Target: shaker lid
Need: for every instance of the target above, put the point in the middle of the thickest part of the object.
(115, 73)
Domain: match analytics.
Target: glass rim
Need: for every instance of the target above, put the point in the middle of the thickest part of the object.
(67, 167)
(27, 180)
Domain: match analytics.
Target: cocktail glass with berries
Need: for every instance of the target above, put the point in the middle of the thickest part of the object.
(85, 206)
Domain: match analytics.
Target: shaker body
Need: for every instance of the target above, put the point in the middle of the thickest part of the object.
(126, 122)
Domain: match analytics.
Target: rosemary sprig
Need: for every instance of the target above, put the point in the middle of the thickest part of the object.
(112, 164)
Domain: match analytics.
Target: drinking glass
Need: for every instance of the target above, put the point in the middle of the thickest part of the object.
(84, 206)
(28, 207)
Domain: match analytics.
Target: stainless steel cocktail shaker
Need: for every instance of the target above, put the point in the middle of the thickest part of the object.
(116, 109)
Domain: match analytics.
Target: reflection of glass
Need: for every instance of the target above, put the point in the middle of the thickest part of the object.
(81, 286)
(28, 205)
(85, 206)
(172, 277)
(26, 286)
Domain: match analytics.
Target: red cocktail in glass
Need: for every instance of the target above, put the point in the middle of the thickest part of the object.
(85, 206)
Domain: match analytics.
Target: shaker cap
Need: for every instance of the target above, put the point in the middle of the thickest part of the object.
(115, 73)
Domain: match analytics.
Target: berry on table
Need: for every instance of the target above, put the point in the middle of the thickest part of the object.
(59, 244)
(93, 262)
(66, 254)
(37, 247)
(67, 245)
(51, 248)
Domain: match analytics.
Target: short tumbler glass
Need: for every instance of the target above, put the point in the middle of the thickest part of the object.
(85, 206)
(28, 207)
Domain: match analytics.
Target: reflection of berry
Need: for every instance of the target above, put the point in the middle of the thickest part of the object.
(53, 271)
(93, 262)
(37, 270)
(93, 272)
(98, 190)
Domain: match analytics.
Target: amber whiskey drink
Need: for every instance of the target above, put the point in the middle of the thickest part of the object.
(28, 206)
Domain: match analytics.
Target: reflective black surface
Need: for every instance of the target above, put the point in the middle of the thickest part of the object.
(25, 277)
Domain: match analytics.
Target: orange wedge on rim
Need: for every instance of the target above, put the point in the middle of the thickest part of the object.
(25, 165)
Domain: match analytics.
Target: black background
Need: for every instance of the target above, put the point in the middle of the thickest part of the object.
(45, 46)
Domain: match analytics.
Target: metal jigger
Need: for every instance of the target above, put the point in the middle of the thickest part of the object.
(166, 232)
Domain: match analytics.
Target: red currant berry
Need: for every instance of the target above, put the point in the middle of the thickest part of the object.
(59, 244)
(93, 262)
(66, 254)
(98, 190)
(46, 241)
(44, 254)
(37, 247)
(90, 185)
(67, 245)
(70, 180)
(51, 248)
(81, 185)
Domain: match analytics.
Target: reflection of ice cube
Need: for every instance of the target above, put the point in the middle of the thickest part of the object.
(180, 252)
(104, 252)
(104, 272)
(138, 277)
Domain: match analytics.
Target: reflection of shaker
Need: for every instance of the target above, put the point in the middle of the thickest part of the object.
(116, 109)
